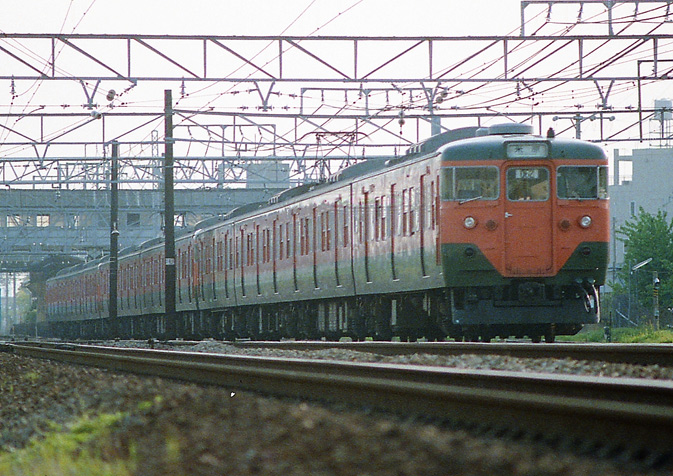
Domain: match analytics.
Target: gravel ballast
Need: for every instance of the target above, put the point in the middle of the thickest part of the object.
(224, 431)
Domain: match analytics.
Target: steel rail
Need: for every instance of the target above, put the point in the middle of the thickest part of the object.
(631, 415)
(637, 354)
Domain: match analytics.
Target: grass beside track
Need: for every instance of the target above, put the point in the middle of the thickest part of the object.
(624, 335)
(84, 448)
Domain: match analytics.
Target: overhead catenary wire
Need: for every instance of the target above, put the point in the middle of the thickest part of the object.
(507, 100)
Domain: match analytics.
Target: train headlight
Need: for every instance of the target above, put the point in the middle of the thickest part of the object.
(585, 221)
(470, 222)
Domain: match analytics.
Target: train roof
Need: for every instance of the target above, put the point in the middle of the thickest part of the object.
(208, 222)
(83, 266)
(433, 143)
(150, 243)
(491, 144)
(243, 209)
(128, 250)
(292, 192)
(356, 170)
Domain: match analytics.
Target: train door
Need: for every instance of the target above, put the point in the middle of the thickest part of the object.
(240, 257)
(294, 251)
(393, 229)
(314, 243)
(256, 256)
(423, 221)
(196, 265)
(228, 258)
(274, 256)
(216, 259)
(528, 221)
(336, 240)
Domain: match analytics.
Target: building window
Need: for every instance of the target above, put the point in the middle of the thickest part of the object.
(13, 220)
(133, 219)
(634, 210)
(42, 221)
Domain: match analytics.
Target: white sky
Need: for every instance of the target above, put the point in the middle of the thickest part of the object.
(263, 17)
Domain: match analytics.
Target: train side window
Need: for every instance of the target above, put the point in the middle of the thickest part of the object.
(528, 183)
(603, 182)
(290, 233)
(346, 235)
(377, 219)
(470, 183)
(382, 216)
(405, 216)
(582, 182)
(324, 231)
(412, 211)
(360, 221)
(336, 225)
(281, 241)
(328, 231)
(220, 256)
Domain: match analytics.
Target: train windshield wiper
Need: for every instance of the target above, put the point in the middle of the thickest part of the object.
(470, 199)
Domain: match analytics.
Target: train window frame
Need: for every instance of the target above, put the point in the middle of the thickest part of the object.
(599, 190)
(517, 194)
(448, 184)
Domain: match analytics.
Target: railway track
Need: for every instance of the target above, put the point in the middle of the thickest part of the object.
(641, 354)
(636, 354)
(610, 416)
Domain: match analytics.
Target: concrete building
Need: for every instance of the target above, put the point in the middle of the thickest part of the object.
(642, 178)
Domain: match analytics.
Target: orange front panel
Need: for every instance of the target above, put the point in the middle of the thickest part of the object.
(524, 231)
(528, 239)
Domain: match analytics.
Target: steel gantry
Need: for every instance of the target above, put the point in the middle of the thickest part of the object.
(301, 100)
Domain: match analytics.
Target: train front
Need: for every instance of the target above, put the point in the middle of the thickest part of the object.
(524, 233)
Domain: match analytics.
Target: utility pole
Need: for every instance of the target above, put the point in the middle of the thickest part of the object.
(169, 220)
(114, 237)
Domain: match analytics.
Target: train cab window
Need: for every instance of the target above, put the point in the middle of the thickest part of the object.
(470, 183)
(582, 182)
(528, 183)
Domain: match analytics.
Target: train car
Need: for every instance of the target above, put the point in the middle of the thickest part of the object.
(525, 233)
(473, 234)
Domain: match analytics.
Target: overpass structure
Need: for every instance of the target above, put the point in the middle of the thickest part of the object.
(75, 223)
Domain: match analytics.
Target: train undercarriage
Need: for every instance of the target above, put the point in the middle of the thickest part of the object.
(470, 314)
